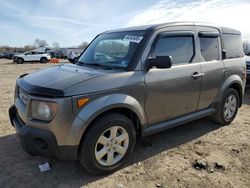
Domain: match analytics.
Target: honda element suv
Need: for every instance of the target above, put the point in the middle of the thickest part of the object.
(129, 83)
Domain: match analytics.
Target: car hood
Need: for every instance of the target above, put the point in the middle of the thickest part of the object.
(54, 80)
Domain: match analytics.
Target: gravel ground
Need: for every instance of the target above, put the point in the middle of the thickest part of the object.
(197, 154)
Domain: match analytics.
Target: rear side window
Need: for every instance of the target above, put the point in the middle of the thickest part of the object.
(233, 46)
(209, 48)
(180, 48)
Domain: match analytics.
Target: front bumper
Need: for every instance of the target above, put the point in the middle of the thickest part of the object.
(40, 142)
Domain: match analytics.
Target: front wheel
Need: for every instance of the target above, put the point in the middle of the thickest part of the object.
(228, 107)
(20, 61)
(108, 144)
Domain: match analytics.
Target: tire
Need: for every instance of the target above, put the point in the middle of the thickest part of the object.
(220, 115)
(43, 60)
(90, 146)
(20, 61)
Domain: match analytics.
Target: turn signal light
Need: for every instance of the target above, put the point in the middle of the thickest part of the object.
(82, 102)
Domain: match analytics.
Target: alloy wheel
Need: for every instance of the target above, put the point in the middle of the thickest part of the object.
(230, 107)
(111, 146)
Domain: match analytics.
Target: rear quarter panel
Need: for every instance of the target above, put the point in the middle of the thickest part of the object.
(234, 69)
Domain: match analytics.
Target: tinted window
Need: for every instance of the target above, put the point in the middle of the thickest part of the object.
(209, 48)
(233, 46)
(179, 48)
(34, 53)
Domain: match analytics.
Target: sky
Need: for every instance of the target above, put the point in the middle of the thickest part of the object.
(69, 22)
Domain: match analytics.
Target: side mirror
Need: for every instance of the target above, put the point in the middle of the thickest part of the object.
(160, 62)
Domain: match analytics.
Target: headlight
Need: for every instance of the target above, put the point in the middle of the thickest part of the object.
(42, 110)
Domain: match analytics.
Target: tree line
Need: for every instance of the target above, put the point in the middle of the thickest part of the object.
(38, 43)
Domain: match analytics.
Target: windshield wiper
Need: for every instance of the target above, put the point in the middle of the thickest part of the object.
(107, 67)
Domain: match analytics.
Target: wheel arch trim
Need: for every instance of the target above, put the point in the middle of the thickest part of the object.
(104, 104)
(228, 83)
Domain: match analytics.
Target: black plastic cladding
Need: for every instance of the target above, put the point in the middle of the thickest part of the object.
(39, 91)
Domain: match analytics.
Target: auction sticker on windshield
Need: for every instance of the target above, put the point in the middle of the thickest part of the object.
(133, 38)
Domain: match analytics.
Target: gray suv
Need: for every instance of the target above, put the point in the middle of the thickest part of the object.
(129, 82)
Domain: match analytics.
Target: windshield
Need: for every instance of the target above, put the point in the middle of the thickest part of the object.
(112, 49)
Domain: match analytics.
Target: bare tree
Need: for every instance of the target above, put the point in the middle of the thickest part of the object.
(83, 45)
(55, 45)
(28, 47)
(40, 43)
(5, 48)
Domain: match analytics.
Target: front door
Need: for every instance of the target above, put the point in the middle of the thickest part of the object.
(175, 91)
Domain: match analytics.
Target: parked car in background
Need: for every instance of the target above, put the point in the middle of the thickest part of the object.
(73, 56)
(42, 57)
(65, 52)
(56, 54)
(247, 58)
(10, 55)
(130, 82)
(7, 55)
(1, 55)
(43, 49)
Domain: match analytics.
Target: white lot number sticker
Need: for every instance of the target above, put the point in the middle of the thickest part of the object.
(133, 38)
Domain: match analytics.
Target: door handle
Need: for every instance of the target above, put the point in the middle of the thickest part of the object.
(196, 75)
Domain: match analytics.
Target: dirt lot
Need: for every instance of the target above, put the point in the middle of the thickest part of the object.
(162, 160)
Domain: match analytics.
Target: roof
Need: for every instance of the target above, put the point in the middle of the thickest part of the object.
(158, 26)
(152, 26)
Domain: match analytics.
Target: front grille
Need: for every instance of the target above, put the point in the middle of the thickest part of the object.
(22, 96)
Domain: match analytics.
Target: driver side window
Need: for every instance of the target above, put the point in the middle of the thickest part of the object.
(180, 48)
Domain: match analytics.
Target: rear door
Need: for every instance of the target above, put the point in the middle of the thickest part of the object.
(175, 91)
(36, 56)
(211, 64)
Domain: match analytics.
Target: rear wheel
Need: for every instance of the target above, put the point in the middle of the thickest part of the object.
(43, 60)
(20, 61)
(228, 108)
(108, 144)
